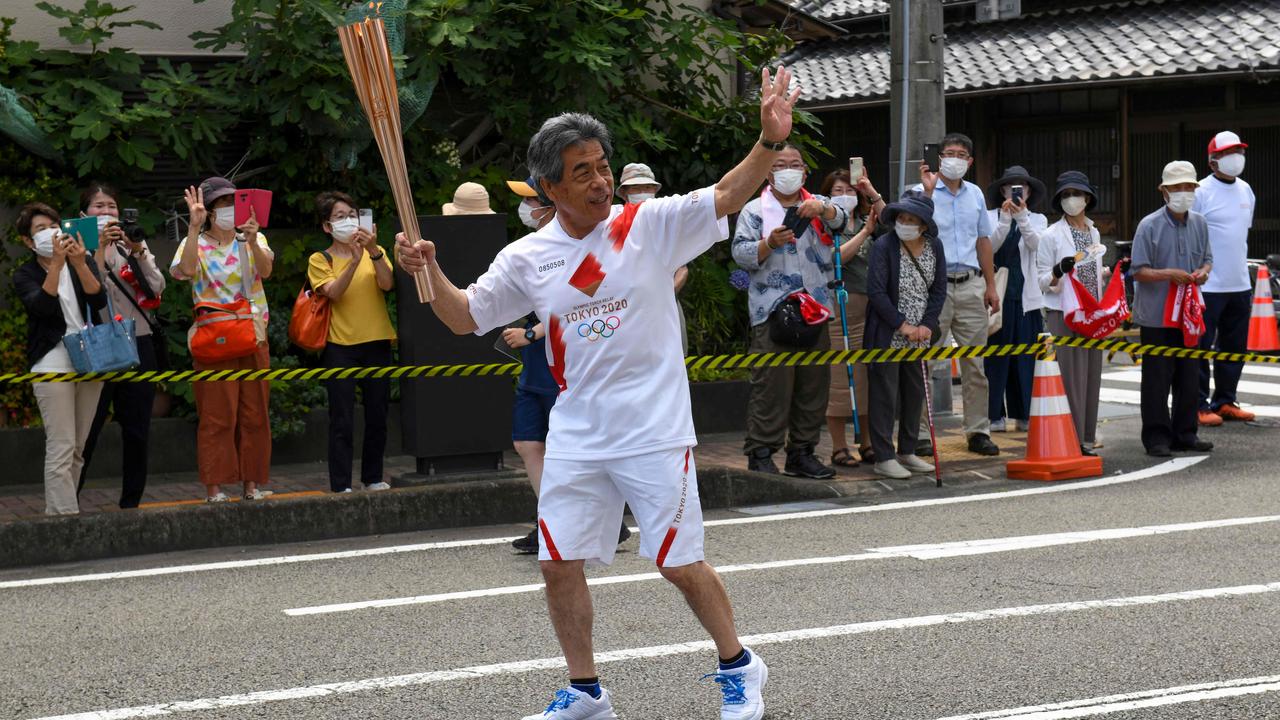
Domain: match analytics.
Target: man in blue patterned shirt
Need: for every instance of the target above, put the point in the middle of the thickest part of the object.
(787, 404)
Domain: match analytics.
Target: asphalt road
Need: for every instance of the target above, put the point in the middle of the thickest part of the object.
(1187, 591)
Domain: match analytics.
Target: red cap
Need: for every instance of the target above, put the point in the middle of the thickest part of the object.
(1224, 141)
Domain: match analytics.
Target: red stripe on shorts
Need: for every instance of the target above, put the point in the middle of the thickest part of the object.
(687, 453)
(666, 546)
(546, 537)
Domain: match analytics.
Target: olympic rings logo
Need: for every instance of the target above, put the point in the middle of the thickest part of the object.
(599, 329)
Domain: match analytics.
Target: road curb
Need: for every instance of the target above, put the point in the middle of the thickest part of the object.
(490, 499)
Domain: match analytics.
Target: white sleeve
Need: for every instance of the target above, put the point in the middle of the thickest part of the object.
(679, 228)
(497, 297)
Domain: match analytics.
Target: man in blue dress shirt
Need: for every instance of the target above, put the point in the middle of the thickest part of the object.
(965, 231)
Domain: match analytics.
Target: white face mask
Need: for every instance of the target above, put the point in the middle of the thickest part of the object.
(344, 229)
(1181, 202)
(526, 215)
(44, 241)
(954, 168)
(1074, 205)
(640, 197)
(224, 218)
(1231, 165)
(906, 231)
(848, 203)
(788, 182)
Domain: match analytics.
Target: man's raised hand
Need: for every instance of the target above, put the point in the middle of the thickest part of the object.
(777, 101)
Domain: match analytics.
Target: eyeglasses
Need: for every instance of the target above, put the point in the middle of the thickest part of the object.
(785, 166)
(353, 215)
(958, 154)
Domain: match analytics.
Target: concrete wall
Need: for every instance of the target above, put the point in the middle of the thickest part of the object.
(179, 18)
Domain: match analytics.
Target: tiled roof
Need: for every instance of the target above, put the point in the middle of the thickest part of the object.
(1146, 38)
(844, 9)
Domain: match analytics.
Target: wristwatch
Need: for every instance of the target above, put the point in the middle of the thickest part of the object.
(379, 257)
(774, 146)
(530, 335)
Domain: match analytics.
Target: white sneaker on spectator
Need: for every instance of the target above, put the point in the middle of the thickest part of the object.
(742, 688)
(998, 425)
(892, 469)
(258, 495)
(571, 704)
(219, 498)
(344, 490)
(377, 486)
(1022, 425)
(915, 464)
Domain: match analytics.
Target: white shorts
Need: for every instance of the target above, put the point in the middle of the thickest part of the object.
(580, 508)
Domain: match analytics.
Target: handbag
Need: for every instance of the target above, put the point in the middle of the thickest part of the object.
(103, 348)
(312, 312)
(996, 320)
(798, 321)
(159, 339)
(226, 331)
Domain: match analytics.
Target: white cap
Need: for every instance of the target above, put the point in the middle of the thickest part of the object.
(1178, 172)
(1223, 141)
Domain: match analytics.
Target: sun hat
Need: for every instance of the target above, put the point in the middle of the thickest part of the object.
(1074, 180)
(469, 199)
(636, 174)
(1016, 175)
(914, 202)
(1178, 172)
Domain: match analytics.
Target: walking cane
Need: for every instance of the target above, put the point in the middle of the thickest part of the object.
(928, 412)
(842, 297)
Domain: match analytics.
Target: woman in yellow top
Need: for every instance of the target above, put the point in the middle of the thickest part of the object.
(355, 274)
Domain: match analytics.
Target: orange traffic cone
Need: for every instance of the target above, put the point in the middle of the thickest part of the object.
(1262, 323)
(1053, 450)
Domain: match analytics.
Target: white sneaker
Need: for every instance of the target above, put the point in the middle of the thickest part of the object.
(219, 498)
(915, 464)
(892, 469)
(571, 704)
(344, 491)
(258, 495)
(377, 486)
(998, 425)
(741, 688)
(1022, 425)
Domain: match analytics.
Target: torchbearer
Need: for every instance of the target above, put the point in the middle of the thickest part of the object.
(622, 429)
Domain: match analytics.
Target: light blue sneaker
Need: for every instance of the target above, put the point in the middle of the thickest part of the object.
(742, 688)
(571, 704)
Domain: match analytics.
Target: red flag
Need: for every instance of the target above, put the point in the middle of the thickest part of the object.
(1086, 315)
(1184, 308)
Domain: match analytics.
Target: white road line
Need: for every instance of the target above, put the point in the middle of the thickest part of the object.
(920, 552)
(1249, 369)
(699, 646)
(1134, 397)
(1133, 701)
(1163, 468)
(1246, 387)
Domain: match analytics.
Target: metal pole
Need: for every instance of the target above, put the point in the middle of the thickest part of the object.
(842, 297)
(904, 114)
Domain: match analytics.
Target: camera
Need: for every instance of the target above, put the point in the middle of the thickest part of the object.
(129, 224)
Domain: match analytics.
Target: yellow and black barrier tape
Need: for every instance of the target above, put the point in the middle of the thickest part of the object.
(742, 361)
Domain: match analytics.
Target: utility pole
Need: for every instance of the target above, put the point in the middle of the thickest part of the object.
(916, 86)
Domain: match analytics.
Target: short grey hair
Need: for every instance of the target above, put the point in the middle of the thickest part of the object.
(565, 130)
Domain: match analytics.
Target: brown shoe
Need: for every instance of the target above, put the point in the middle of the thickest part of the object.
(1231, 411)
(1209, 418)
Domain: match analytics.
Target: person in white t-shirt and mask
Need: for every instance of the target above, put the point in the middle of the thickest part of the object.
(1227, 203)
(622, 427)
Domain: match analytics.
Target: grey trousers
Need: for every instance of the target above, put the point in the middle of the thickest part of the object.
(1081, 378)
(897, 392)
(788, 404)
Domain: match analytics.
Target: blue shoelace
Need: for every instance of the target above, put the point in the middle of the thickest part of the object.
(732, 686)
(563, 699)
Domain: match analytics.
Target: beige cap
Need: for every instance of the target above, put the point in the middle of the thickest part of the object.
(1178, 172)
(469, 199)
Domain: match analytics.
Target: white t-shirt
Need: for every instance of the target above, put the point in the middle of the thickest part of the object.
(1228, 208)
(613, 330)
(58, 359)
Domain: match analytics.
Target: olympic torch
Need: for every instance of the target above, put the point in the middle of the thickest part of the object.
(364, 45)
